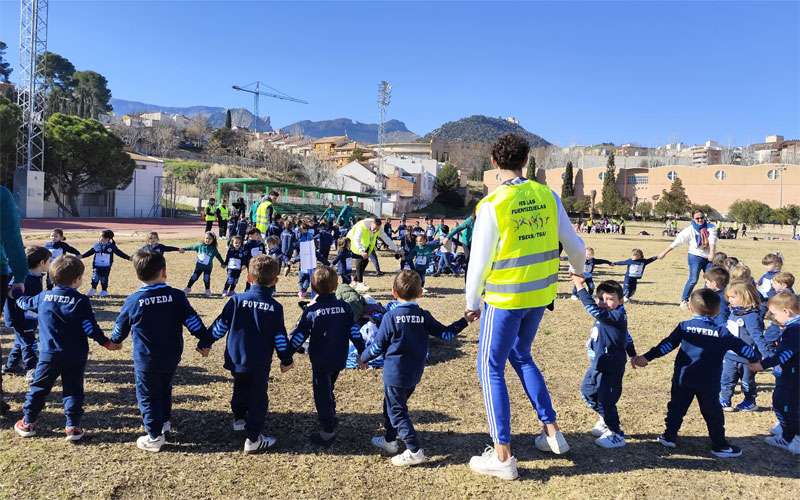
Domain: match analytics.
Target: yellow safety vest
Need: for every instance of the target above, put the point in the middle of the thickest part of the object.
(262, 216)
(525, 269)
(368, 238)
(223, 212)
(212, 216)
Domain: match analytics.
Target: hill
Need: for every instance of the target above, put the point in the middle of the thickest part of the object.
(479, 128)
(396, 130)
(240, 117)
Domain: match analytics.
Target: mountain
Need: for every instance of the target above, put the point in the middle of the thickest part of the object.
(240, 117)
(396, 130)
(482, 129)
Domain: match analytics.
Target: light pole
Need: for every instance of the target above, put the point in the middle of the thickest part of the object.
(781, 170)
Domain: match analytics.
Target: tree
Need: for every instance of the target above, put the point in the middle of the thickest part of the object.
(612, 202)
(5, 67)
(530, 174)
(357, 154)
(58, 72)
(164, 139)
(674, 201)
(644, 209)
(10, 120)
(707, 209)
(568, 188)
(90, 94)
(581, 204)
(477, 175)
(228, 119)
(790, 214)
(751, 212)
(448, 184)
(82, 156)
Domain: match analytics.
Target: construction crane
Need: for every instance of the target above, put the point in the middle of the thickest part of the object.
(255, 89)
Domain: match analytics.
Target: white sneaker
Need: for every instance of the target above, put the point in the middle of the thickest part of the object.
(208, 293)
(239, 425)
(166, 427)
(187, 290)
(574, 297)
(599, 428)
(556, 444)
(260, 445)
(489, 465)
(408, 458)
(610, 440)
(104, 293)
(390, 447)
(151, 445)
(90, 292)
(666, 442)
(776, 429)
(792, 447)
(684, 305)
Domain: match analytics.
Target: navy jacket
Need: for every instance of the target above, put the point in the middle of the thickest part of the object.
(787, 355)
(329, 323)
(275, 253)
(241, 228)
(635, 267)
(341, 261)
(747, 325)
(235, 259)
(764, 284)
(159, 248)
(403, 340)
(104, 254)
(251, 249)
(59, 248)
(253, 321)
(610, 343)
(703, 344)
(16, 318)
(287, 242)
(324, 242)
(66, 322)
(588, 267)
(724, 310)
(156, 315)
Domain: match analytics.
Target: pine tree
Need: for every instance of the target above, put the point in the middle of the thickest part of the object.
(228, 120)
(530, 174)
(568, 187)
(674, 201)
(613, 203)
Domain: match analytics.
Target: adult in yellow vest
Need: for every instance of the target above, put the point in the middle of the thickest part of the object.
(210, 214)
(266, 211)
(363, 237)
(514, 266)
(223, 214)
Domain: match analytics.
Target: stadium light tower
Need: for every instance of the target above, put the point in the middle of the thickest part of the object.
(384, 98)
(31, 94)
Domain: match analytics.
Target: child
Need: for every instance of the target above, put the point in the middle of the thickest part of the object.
(730, 263)
(698, 365)
(783, 281)
(403, 339)
(421, 257)
(206, 251)
(103, 251)
(253, 321)
(634, 271)
(607, 347)
(744, 322)
(329, 324)
(242, 226)
(58, 247)
(741, 273)
(588, 271)
(785, 362)
(66, 322)
(153, 245)
(155, 316)
(230, 230)
(719, 259)
(304, 275)
(274, 248)
(287, 245)
(773, 263)
(717, 279)
(344, 260)
(233, 263)
(252, 247)
(24, 324)
(324, 243)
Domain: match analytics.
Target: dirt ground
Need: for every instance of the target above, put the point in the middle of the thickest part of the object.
(204, 457)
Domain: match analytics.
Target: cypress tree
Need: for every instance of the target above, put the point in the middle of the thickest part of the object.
(228, 119)
(568, 187)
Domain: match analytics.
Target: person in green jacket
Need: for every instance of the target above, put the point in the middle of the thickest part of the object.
(329, 215)
(465, 227)
(206, 251)
(345, 218)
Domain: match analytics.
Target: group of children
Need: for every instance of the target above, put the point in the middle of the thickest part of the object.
(634, 271)
(724, 343)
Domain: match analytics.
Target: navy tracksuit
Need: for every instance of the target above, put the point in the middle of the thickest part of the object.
(288, 241)
(234, 262)
(329, 324)
(402, 339)
(253, 321)
(251, 248)
(102, 262)
(155, 316)
(698, 366)
(241, 228)
(57, 249)
(159, 248)
(588, 271)
(786, 367)
(324, 243)
(24, 325)
(608, 348)
(633, 273)
(343, 264)
(724, 309)
(747, 325)
(66, 322)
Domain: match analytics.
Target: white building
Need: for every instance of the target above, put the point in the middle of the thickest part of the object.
(424, 170)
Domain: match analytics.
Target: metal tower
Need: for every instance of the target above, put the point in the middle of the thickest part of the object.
(31, 94)
(257, 93)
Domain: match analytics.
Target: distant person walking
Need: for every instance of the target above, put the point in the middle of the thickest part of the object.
(12, 253)
(222, 218)
(329, 215)
(210, 214)
(346, 216)
(515, 262)
(701, 236)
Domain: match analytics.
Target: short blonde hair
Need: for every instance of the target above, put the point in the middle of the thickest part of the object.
(785, 300)
(784, 278)
(747, 291)
(741, 272)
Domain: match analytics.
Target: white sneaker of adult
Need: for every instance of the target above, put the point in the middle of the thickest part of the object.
(792, 446)
(408, 458)
(390, 447)
(239, 425)
(599, 428)
(166, 427)
(556, 443)
(489, 465)
(610, 440)
(152, 445)
(260, 445)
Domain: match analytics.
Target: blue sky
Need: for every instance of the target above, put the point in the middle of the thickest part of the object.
(574, 73)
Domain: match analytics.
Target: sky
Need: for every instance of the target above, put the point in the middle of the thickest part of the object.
(574, 73)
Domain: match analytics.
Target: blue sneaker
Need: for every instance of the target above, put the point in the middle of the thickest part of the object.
(747, 405)
(726, 405)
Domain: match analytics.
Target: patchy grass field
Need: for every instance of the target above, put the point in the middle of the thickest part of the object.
(204, 457)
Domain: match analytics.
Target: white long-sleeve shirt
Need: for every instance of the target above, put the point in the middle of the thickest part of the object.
(486, 236)
(688, 235)
(369, 226)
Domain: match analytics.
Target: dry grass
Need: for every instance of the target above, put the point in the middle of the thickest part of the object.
(204, 459)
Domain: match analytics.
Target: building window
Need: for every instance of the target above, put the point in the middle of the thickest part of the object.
(720, 175)
(773, 174)
(637, 179)
(672, 175)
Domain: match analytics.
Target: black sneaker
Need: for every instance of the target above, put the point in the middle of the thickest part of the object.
(318, 440)
(728, 451)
